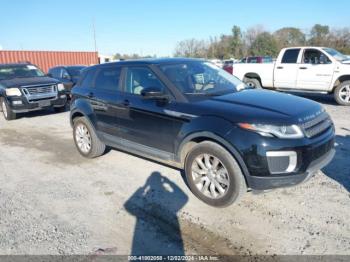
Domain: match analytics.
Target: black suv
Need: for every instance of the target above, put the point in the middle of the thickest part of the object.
(68, 75)
(24, 88)
(192, 115)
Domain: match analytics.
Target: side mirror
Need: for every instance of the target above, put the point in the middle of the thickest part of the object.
(153, 93)
(67, 77)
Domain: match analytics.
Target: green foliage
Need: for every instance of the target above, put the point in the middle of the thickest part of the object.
(264, 44)
(257, 41)
(289, 36)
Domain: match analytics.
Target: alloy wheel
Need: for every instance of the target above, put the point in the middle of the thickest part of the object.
(210, 176)
(83, 138)
(344, 93)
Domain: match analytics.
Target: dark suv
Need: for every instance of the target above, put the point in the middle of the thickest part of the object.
(68, 75)
(24, 88)
(192, 115)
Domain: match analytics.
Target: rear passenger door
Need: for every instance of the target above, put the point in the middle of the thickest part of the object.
(286, 69)
(105, 99)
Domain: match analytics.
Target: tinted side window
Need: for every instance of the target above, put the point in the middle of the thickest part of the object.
(313, 56)
(54, 72)
(139, 78)
(290, 56)
(87, 79)
(108, 78)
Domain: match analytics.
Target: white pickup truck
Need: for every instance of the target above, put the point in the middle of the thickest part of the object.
(304, 69)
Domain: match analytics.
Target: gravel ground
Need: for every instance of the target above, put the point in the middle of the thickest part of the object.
(53, 201)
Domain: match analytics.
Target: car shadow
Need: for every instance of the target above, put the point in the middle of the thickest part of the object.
(339, 168)
(155, 206)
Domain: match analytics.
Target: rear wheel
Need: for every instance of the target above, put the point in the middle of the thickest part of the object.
(252, 82)
(213, 175)
(86, 140)
(342, 93)
(6, 110)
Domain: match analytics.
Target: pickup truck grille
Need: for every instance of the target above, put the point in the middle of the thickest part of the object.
(317, 125)
(37, 93)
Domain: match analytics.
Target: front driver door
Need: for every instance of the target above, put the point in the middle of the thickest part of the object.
(144, 122)
(315, 71)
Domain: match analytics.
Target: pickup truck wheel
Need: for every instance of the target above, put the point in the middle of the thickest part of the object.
(86, 140)
(342, 93)
(6, 110)
(252, 82)
(213, 175)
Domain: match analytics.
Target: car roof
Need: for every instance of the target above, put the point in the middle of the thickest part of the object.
(13, 64)
(73, 66)
(151, 61)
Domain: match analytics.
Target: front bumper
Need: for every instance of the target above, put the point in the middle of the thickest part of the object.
(21, 105)
(265, 183)
(312, 154)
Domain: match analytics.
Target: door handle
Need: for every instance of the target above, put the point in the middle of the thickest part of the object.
(279, 67)
(303, 67)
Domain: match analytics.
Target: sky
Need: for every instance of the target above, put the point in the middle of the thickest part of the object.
(149, 27)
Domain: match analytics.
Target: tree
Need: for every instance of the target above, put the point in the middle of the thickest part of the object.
(319, 35)
(289, 36)
(236, 42)
(191, 48)
(251, 34)
(264, 44)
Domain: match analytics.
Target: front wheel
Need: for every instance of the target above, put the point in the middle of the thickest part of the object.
(6, 110)
(86, 140)
(213, 175)
(342, 93)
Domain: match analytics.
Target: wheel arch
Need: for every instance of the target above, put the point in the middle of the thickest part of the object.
(193, 139)
(340, 80)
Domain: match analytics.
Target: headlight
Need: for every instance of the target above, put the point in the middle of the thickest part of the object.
(60, 87)
(290, 132)
(13, 92)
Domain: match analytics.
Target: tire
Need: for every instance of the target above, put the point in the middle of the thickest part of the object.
(6, 110)
(252, 82)
(342, 93)
(96, 148)
(234, 186)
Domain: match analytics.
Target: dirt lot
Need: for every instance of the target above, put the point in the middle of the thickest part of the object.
(53, 201)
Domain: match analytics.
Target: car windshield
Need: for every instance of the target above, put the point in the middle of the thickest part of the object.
(201, 78)
(336, 54)
(19, 71)
(75, 71)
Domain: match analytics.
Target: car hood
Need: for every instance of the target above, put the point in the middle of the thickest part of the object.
(18, 82)
(262, 106)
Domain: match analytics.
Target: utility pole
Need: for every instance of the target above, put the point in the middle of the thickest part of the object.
(94, 33)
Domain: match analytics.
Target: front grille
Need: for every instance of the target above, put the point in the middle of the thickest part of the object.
(317, 125)
(38, 93)
(40, 90)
